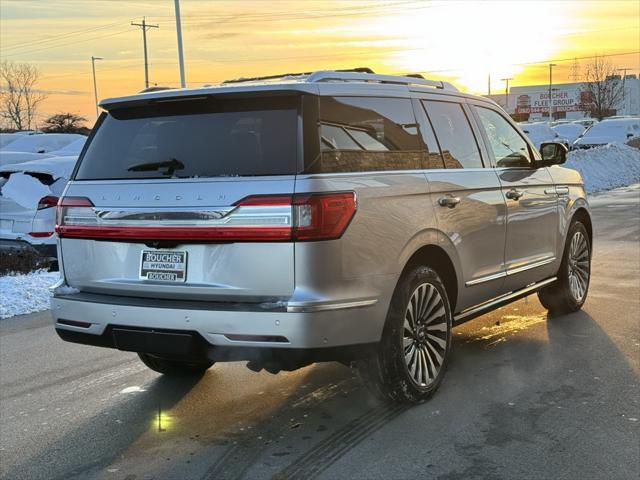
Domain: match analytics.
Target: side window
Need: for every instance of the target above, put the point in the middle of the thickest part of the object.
(366, 134)
(457, 142)
(509, 148)
(433, 158)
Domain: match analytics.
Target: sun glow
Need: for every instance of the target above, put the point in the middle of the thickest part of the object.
(466, 42)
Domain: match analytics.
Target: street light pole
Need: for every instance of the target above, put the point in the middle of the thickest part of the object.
(551, 65)
(95, 88)
(506, 93)
(183, 84)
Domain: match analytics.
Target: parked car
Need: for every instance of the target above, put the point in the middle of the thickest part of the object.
(541, 132)
(29, 192)
(331, 216)
(569, 131)
(618, 130)
(41, 142)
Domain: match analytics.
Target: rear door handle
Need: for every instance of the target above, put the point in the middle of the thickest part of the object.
(514, 194)
(448, 201)
(561, 191)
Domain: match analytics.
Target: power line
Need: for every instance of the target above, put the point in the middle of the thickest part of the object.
(57, 37)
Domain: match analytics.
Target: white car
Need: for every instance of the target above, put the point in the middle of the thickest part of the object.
(41, 142)
(615, 130)
(541, 132)
(26, 148)
(29, 192)
(570, 131)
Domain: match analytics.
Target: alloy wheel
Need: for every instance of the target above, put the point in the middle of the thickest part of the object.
(425, 334)
(578, 266)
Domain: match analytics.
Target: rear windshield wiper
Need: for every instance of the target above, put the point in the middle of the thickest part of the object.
(170, 166)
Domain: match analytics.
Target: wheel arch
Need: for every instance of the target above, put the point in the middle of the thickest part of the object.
(583, 216)
(434, 256)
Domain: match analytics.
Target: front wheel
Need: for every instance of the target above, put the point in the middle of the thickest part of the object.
(569, 292)
(416, 342)
(173, 367)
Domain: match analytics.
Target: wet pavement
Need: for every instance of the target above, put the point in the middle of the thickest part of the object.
(525, 397)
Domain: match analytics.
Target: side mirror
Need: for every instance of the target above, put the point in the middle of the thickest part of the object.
(553, 153)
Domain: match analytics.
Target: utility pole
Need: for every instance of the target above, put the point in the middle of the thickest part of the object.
(506, 93)
(145, 26)
(95, 88)
(489, 84)
(183, 84)
(551, 65)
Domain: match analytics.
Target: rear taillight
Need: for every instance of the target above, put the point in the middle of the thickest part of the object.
(74, 211)
(259, 218)
(47, 201)
(316, 216)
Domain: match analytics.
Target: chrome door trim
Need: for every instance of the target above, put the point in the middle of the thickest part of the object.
(488, 278)
(485, 307)
(524, 268)
(511, 271)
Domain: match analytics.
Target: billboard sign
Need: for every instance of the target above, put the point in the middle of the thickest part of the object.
(561, 101)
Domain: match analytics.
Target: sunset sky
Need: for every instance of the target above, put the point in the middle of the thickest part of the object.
(458, 41)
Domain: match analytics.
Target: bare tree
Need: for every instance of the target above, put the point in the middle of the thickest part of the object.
(19, 98)
(602, 87)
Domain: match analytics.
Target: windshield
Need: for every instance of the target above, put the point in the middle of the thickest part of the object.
(197, 138)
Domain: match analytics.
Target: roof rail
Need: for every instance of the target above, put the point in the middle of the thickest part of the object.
(297, 74)
(155, 89)
(338, 76)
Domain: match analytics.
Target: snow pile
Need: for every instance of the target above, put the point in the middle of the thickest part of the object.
(20, 294)
(603, 168)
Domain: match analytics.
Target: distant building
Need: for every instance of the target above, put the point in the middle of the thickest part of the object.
(531, 102)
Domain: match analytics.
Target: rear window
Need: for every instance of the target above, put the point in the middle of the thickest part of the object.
(195, 138)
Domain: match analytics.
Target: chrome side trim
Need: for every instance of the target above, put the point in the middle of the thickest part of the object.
(500, 301)
(323, 307)
(488, 278)
(524, 268)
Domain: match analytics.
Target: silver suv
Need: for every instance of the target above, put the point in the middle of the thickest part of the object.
(326, 216)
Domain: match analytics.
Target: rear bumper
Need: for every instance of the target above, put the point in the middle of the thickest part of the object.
(224, 326)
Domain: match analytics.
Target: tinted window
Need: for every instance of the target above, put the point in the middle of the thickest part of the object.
(509, 148)
(366, 134)
(457, 142)
(433, 158)
(209, 138)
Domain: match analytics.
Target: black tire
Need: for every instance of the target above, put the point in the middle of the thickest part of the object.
(388, 374)
(173, 367)
(559, 298)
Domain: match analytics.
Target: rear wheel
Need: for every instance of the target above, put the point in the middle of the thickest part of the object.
(416, 342)
(173, 367)
(569, 292)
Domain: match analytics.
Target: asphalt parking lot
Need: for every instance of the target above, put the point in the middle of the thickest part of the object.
(526, 396)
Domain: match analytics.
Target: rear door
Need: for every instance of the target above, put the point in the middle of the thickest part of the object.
(469, 205)
(532, 204)
(186, 199)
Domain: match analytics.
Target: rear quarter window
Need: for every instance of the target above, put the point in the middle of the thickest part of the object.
(360, 134)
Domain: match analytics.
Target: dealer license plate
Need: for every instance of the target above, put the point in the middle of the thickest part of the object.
(163, 266)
